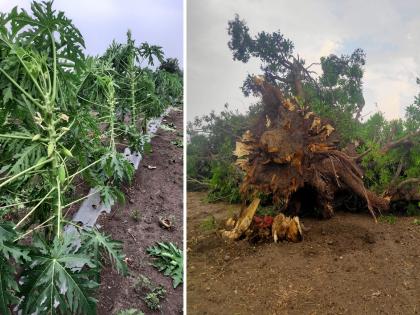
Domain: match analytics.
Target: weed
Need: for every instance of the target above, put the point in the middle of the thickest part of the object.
(413, 210)
(152, 294)
(390, 219)
(169, 260)
(416, 221)
(135, 215)
(178, 142)
(209, 223)
(267, 211)
(143, 283)
(168, 127)
(153, 298)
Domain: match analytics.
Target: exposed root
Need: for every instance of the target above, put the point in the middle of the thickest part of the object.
(289, 149)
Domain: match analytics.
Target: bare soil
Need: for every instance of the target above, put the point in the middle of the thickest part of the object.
(154, 193)
(345, 265)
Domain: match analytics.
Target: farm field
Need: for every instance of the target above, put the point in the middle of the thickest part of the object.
(158, 192)
(85, 137)
(345, 265)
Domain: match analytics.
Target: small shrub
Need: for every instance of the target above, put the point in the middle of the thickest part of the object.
(208, 224)
(135, 215)
(169, 260)
(153, 298)
(178, 143)
(143, 283)
(413, 210)
(390, 219)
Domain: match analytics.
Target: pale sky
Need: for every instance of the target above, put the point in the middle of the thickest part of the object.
(388, 31)
(158, 22)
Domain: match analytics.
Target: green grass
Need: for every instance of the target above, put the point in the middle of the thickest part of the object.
(390, 219)
(208, 224)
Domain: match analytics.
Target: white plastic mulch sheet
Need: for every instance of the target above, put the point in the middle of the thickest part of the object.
(92, 207)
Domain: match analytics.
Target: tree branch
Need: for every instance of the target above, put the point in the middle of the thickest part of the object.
(406, 140)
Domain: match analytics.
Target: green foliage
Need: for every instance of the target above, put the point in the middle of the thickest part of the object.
(224, 182)
(99, 245)
(153, 298)
(61, 115)
(11, 254)
(209, 152)
(383, 170)
(336, 94)
(413, 209)
(152, 294)
(198, 157)
(171, 65)
(52, 285)
(390, 219)
(143, 283)
(169, 260)
(169, 87)
(135, 214)
(178, 142)
(209, 223)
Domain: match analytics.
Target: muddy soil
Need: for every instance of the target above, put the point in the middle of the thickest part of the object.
(154, 193)
(345, 265)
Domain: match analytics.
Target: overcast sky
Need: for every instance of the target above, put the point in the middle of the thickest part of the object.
(388, 31)
(158, 22)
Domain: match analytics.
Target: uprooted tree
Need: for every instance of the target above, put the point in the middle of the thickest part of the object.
(294, 155)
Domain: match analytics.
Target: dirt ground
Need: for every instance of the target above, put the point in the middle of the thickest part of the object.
(345, 265)
(154, 193)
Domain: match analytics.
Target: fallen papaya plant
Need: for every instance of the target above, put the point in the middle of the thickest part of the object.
(50, 138)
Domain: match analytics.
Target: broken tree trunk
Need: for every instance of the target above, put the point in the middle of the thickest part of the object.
(292, 155)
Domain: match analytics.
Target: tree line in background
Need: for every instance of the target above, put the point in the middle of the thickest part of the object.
(387, 150)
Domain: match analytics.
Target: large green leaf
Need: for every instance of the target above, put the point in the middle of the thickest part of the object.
(101, 244)
(52, 285)
(169, 260)
(10, 254)
(45, 22)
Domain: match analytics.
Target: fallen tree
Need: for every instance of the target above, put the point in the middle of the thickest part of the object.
(291, 155)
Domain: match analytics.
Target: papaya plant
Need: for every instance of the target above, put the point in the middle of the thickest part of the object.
(98, 90)
(64, 118)
(138, 99)
(41, 59)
